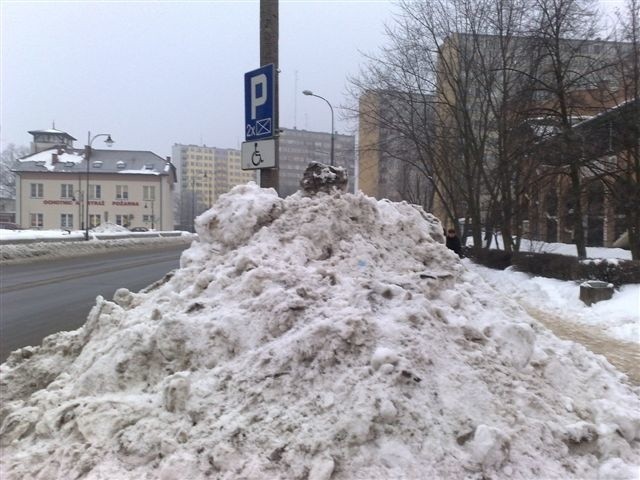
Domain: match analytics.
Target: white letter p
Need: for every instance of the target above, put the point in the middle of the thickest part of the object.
(262, 99)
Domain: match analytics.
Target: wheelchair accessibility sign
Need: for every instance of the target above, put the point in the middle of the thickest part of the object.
(259, 98)
(258, 154)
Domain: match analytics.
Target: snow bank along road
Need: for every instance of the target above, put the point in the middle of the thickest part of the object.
(11, 253)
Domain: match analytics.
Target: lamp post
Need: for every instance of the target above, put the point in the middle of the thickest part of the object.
(153, 214)
(78, 197)
(311, 94)
(207, 180)
(87, 157)
(193, 205)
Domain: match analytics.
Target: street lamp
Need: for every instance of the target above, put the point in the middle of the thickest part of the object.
(78, 197)
(311, 94)
(87, 157)
(193, 204)
(207, 180)
(153, 215)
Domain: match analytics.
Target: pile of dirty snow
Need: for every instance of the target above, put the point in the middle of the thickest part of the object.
(323, 337)
(108, 227)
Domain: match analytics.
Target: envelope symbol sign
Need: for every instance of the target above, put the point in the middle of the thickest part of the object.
(263, 126)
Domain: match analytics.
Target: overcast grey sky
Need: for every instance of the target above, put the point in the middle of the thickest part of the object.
(157, 73)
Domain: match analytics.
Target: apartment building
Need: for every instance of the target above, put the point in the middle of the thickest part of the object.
(205, 173)
(390, 164)
(466, 80)
(60, 187)
(611, 141)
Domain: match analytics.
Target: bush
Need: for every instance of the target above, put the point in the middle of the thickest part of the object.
(497, 259)
(561, 267)
(619, 273)
(550, 265)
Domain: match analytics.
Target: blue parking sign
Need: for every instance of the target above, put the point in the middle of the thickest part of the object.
(259, 96)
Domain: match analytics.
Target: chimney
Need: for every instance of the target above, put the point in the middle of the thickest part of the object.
(54, 158)
(168, 159)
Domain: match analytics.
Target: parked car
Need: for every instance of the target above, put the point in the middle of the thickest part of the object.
(139, 229)
(9, 226)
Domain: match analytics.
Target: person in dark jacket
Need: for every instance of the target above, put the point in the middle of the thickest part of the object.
(453, 242)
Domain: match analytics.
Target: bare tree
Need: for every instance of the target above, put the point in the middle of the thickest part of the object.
(467, 78)
(10, 155)
(620, 169)
(631, 31)
(428, 70)
(453, 65)
(505, 72)
(567, 68)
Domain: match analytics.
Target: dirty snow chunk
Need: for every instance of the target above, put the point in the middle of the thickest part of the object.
(388, 410)
(176, 393)
(580, 432)
(231, 222)
(617, 469)
(383, 355)
(489, 447)
(321, 468)
(394, 454)
(618, 418)
(319, 177)
(516, 342)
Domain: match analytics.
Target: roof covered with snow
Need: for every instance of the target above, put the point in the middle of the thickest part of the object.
(132, 162)
(52, 131)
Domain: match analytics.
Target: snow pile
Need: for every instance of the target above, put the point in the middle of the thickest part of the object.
(323, 337)
(37, 251)
(108, 227)
(618, 318)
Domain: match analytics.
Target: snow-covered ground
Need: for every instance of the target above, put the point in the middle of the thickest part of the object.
(38, 249)
(327, 337)
(564, 249)
(103, 230)
(34, 235)
(618, 317)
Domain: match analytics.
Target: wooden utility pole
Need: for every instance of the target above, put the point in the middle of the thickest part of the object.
(270, 177)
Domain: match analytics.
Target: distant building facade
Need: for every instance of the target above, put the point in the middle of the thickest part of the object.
(610, 142)
(127, 187)
(205, 173)
(591, 77)
(298, 148)
(7, 210)
(390, 165)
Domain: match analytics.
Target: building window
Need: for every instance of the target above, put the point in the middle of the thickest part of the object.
(124, 220)
(95, 192)
(94, 220)
(37, 190)
(36, 220)
(147, 218)
(66, 190)
(66, 220)
(149, 193)
(122, 192)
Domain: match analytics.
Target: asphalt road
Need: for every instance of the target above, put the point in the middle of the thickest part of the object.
(41, 298)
